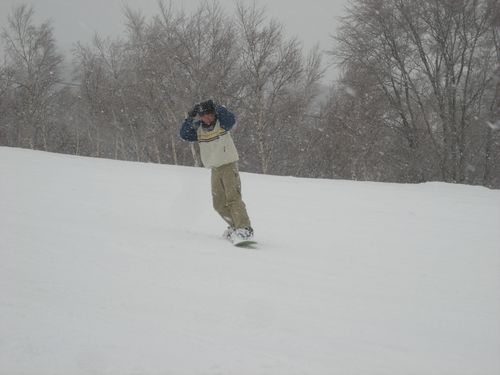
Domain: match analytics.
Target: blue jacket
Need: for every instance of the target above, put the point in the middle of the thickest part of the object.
(189, 129)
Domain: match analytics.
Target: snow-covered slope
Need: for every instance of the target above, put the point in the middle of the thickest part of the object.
(111, 267)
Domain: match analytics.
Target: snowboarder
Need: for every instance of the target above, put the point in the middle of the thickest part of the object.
(209, 125)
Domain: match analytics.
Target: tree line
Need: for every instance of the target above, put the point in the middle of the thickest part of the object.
(417, 98)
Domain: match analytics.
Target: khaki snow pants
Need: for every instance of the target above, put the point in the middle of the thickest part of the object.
(226, 195)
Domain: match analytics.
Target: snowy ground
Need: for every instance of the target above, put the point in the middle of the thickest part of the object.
(117, 268)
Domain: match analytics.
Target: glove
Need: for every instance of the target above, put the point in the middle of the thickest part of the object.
(195, 111)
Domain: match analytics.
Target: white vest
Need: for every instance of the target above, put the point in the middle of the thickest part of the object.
(216, 146)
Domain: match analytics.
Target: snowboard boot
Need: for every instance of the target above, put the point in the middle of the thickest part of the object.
(241, 234)
(228, 232)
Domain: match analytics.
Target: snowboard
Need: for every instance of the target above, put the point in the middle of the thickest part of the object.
(249, 244)
(239, 242)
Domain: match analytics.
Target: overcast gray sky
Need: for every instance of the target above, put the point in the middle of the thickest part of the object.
(312, 21)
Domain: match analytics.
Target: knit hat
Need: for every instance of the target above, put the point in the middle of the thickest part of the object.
(206, 108)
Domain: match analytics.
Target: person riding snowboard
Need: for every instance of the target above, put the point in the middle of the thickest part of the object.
(209, 125)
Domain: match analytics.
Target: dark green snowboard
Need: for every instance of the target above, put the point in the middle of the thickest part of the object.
(249, 244)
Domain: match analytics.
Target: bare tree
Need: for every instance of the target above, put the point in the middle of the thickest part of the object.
(6, 76)
(296, 122)
(491, 174)
(433, 61)
(184, 58)
(35, 65)
(271, 65)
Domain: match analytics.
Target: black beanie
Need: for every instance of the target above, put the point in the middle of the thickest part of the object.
(206, 107)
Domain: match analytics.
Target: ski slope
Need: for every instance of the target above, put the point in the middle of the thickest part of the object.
(112, 267)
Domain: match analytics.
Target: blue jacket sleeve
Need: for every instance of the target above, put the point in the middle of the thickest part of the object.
(226, 118)
(188, 132)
